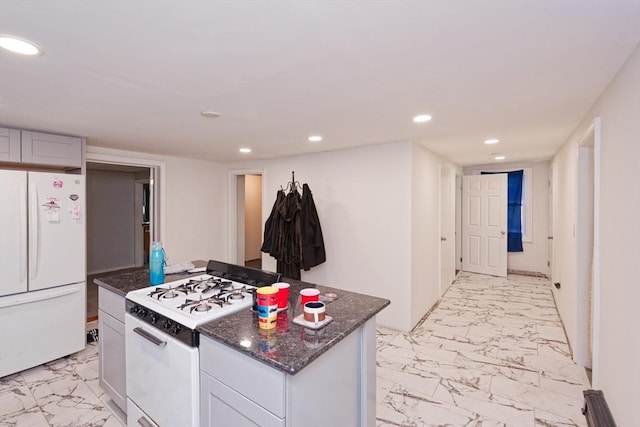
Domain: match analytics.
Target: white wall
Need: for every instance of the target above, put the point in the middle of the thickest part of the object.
(535, 256)
(565, 198)
(363, 197)
(252, 217)
(616, 368)
(425, 232)
(110, 220)
(195, 217)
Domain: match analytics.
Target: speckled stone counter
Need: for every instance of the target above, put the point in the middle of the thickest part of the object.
(123, 283)
(290, 347)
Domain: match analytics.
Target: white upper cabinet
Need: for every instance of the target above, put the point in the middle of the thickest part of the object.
(9, 145)
(48, 149)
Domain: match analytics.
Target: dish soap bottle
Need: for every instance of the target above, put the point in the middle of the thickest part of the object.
(156, 264)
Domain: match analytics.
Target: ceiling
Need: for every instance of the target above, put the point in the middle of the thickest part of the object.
(135, 75)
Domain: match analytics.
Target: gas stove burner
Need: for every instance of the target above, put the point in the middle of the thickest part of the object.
(207, 285)
(170, 293)
(203, 307)
(236, 295)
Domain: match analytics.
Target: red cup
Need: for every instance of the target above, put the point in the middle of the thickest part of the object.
(283, 294)
(309, 295)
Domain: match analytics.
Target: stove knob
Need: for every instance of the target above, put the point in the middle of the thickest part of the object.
(176, 329)
(154, 318)
(142, 312)
(167, 324)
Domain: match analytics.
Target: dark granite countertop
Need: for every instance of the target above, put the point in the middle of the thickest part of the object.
(290, 347)
(138, 278)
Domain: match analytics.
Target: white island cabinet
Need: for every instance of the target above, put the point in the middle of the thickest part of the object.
(111, 346)
(335, 389)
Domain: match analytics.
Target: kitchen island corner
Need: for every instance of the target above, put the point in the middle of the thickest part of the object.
(292, 375)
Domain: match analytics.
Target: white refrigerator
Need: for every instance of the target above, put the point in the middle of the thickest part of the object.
(42, 267)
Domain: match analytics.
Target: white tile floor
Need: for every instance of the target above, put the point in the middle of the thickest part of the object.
(493, 353)
(64, 392)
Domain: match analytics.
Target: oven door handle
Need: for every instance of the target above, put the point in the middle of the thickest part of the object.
(157, 341)
(144, 422)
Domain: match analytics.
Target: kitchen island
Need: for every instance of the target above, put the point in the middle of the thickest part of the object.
(112, 290)
(292, 375)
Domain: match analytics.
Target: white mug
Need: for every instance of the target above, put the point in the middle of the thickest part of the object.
(314, 311)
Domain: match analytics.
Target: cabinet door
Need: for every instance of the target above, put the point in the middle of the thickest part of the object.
(9, 145)
(224, 363)
(113, 379)
(48, 149)
(220, 406)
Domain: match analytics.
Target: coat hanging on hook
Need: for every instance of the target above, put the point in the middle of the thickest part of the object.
(292, 233)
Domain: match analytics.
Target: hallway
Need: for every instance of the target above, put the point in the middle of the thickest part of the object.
(493, 353)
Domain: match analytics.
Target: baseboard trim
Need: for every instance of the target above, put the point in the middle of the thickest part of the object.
(108, 270)
(527, 273)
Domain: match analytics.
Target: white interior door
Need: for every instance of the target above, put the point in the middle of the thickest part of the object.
(484, 224)
(447, 227)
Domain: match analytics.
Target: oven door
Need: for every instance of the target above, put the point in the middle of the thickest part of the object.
(162, 375)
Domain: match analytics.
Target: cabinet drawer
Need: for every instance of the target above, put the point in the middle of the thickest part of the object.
(111, 303)
(9, 145)
(220, 406)
(48, 149)
(257, 381)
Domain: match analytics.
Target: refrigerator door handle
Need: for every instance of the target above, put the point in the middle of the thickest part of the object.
(40, 295)
(33, 233)
(23, 233)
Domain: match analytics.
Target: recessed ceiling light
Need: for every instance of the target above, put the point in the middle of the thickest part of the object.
(245, 150)
(315, 138)
(20, 46)
(499, 157)
(210, 114)
(422, 118)
(491, 141)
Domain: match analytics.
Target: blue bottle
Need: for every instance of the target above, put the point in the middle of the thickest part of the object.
(156, 264)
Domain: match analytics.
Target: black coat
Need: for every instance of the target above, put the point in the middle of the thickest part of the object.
(292, 233)
(313, 252)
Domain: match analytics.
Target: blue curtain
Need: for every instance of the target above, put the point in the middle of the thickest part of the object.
(514, 210)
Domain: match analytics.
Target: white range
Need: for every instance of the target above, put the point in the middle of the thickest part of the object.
(162, 358)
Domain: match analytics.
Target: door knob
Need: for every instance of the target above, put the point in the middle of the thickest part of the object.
(443, 239)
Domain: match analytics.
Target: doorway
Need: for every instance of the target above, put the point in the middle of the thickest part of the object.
(118, 223)
(143, 215)
(246, 194)
(447, 227)
(587, 243)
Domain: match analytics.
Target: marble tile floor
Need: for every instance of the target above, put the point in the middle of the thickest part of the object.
(64, 392)
(493, 353)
